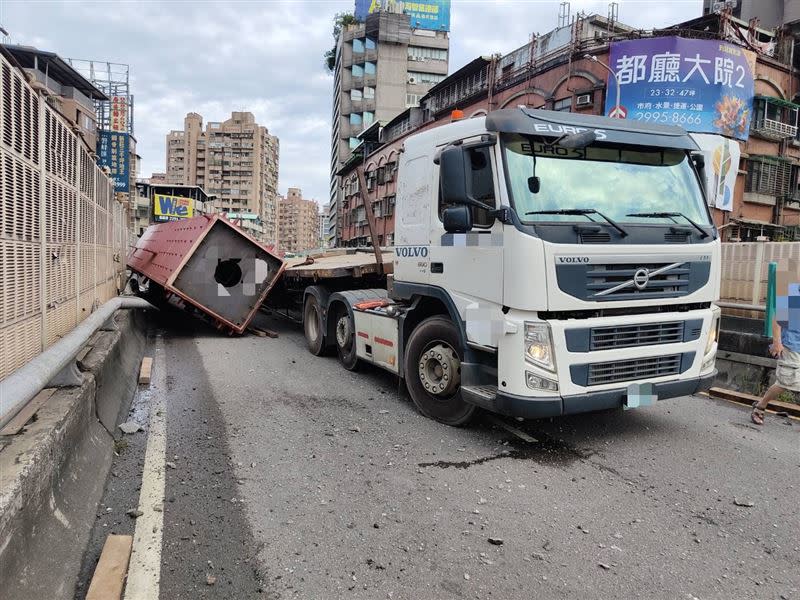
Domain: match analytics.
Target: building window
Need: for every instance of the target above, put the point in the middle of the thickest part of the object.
(424, 54)
(354, 141)
(369, 44)
(358, 46)
(564, 105)
(369, 117)
(419, 77)
(369, 93)
(355, 94)
(768, 176)
(355, 119)
(369, 68)
(358, 71)
(412, 100)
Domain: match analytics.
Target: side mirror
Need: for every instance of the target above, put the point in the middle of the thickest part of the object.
(457, 218)
(700, 166)
(454, 167)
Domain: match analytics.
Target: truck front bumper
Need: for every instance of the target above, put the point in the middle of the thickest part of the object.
(533, 407)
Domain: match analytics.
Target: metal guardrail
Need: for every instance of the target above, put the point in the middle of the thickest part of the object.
(22, 385)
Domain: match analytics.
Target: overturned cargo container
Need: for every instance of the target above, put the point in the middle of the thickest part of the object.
(205, 264)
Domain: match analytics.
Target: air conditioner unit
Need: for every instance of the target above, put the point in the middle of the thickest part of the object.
(583, 100)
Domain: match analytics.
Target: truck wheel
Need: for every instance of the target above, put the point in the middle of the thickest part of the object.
(345, 338)
(433, 372)
(312, 326)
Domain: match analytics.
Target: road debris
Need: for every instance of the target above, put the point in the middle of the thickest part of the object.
(495, 541)
(130, 427)
(745, 503)
(134, 513)
(210, 580)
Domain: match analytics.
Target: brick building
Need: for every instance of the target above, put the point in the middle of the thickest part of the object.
(553, 72)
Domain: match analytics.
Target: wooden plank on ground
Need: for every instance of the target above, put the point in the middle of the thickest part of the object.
(261, 332)
(109, 575)
(748, 399)
(15, 425)
(146, 370)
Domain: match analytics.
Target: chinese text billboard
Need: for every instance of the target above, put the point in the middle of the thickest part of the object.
(113, 152)
(701, 85)
(425, 14)
(119, 113)
(172, 208)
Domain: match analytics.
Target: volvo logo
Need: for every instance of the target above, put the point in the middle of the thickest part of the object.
(641, 278)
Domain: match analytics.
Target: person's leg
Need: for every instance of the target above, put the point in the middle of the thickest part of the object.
(758, 410)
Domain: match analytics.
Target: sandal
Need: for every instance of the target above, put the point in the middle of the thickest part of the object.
(757, 416)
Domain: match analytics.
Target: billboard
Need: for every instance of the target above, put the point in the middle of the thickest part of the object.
(426, 14)
(702, 85)
(119, 113)
(113, 151)
(722, 165)
(172, 208)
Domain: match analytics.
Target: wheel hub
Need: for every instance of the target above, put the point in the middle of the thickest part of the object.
(343, 333)
(440, 370)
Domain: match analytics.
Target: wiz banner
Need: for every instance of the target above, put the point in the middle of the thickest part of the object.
(172, 208)
(722, 165)
(701, 85)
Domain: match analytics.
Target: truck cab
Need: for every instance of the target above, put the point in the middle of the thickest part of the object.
(569, 262)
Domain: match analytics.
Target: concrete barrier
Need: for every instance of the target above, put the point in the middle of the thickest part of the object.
(52, 474)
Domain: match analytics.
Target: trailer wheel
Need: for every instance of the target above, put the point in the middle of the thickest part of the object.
(433, 372)
(312, 326)
(345, 338)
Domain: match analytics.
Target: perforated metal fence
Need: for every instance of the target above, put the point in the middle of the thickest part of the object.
(62, 234)
(744, 268)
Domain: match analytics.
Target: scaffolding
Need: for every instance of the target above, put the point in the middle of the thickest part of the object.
(114, 80)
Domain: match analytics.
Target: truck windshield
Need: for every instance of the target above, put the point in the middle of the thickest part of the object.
(616, 181)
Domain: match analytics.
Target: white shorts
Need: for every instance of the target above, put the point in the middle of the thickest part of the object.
(787, 373)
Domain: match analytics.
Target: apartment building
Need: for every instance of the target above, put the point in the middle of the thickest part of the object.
(383, 65)
(554, 72)
(235, 160)
(298, 222)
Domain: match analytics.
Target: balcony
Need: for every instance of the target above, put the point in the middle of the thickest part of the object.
(774, 119)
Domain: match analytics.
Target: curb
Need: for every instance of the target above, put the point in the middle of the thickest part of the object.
(52, 473)
(748, 399)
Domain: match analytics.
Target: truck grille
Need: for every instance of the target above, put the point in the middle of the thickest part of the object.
(627, 336)
(637, 368)
(601, 278)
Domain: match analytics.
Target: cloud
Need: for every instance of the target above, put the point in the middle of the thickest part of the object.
(265, 57)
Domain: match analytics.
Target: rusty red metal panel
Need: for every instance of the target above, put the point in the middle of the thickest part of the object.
(208, 263)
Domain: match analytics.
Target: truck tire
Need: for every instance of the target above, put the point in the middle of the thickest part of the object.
(433, 372)
(312, 326)
(345, 337)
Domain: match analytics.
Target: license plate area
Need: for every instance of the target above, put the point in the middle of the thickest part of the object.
(639, 394)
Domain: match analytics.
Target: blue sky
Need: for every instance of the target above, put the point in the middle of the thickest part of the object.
(265, 57)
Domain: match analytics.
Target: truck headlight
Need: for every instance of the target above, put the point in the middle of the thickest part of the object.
(713, 334)
(539, 345)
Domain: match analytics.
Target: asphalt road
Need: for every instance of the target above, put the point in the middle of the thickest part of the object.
(294, 478)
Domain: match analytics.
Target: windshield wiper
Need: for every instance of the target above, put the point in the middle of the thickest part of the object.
(580, 212)
(670, 215)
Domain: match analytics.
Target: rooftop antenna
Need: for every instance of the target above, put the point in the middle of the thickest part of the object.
(613, 16)
(563, 14)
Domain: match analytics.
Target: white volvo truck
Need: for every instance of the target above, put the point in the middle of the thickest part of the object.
(546, 263)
